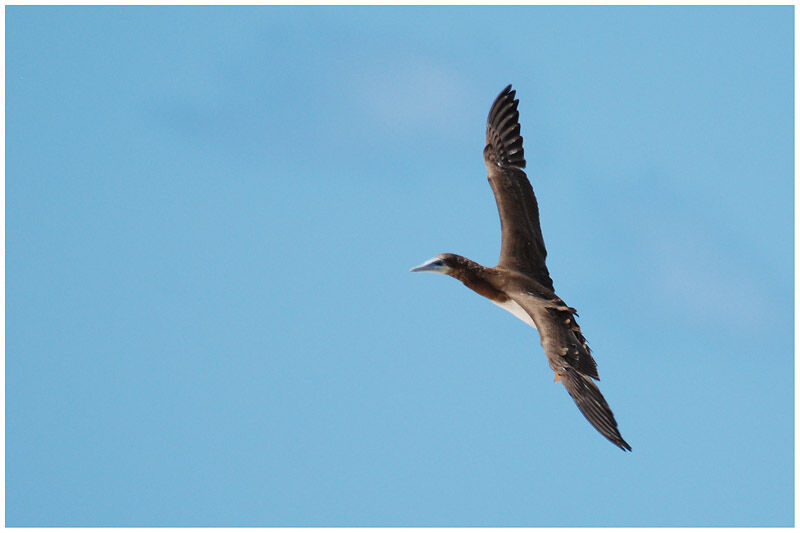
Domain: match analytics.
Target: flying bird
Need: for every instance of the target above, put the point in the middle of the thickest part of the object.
(520, 283)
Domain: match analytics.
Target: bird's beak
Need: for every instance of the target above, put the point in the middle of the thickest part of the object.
(432, 265)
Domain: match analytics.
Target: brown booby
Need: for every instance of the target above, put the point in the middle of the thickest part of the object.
(520, 283)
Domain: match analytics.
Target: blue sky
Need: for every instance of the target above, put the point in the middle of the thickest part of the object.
(211, 214)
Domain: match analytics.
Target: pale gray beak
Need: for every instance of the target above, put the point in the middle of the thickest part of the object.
(431, 265)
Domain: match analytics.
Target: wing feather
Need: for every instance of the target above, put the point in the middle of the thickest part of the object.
(522, 246)
(592, 404)
(570, 358)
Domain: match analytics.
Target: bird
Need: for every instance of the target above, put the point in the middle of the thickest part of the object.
(521, 283)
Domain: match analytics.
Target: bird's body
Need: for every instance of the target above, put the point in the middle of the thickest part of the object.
(520, 283)
(515, 309)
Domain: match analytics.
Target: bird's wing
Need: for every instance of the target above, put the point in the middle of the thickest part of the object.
(522, 243)
(571, 360)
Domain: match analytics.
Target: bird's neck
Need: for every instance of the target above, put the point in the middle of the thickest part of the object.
(478, 278)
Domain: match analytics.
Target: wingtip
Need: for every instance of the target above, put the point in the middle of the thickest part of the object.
(503, 130)
(593, 406)
(504, 94)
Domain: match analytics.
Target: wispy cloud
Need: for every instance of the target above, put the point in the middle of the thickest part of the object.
(412, 92)
(708, 286)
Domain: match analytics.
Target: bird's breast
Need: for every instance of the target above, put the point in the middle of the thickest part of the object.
(515, 309)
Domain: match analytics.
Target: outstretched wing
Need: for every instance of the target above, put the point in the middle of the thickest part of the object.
(522, 243)
(571, 360)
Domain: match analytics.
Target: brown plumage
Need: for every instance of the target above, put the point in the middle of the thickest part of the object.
(521, 283)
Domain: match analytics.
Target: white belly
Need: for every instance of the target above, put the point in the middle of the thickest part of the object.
(515, 309)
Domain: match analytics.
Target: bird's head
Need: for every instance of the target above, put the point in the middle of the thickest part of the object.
(442, 263)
